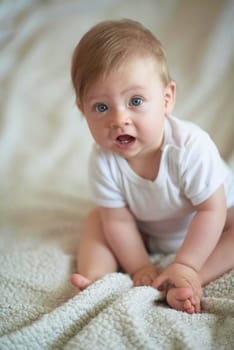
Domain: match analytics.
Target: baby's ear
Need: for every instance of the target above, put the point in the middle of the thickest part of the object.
(78, 103)
(169, 97)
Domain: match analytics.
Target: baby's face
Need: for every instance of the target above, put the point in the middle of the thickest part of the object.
(125, 111)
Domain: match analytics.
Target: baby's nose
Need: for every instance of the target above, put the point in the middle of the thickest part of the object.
(119, 120)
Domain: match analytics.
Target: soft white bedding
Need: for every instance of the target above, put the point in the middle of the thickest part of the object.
(44, 148)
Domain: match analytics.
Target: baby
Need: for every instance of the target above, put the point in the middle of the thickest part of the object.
(159, 182)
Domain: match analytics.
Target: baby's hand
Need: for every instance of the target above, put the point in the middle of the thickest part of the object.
(145, 275)
(182, 286)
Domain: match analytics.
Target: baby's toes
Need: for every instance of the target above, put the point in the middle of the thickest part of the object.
(137, 282)
(189, 307)
(144, 280)
(198, 307)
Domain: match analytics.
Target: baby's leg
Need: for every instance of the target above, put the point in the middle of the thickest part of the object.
(222, 258)
(219, 262)
(95, 258)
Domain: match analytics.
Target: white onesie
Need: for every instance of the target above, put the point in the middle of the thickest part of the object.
(190, 171)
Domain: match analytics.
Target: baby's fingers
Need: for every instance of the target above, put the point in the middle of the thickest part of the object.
(161, 282)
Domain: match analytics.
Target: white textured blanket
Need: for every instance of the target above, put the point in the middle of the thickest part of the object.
(44, 147)
(38, 310)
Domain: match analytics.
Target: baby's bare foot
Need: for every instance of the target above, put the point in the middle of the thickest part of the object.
(80, 282)
(182, 286)
(145, 276)
(182, 299)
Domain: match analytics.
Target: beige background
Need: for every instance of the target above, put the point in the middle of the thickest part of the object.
(44, 143)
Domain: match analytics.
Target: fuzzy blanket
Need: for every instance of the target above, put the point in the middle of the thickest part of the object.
(39, 309)
(44, 149)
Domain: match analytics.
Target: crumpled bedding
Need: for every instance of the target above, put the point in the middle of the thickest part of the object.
(44, 149)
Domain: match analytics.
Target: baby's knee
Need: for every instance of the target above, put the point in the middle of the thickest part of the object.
(94, 214)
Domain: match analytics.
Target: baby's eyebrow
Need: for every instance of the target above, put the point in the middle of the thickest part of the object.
(96, 98)
(133, 88)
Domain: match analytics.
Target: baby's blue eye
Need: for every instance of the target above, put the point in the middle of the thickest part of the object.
(101, 107)
(136, 101)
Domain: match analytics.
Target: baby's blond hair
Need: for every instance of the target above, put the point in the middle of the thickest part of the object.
(108, 45)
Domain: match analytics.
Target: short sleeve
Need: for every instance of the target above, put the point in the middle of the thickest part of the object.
(103, 177)
(201, 168)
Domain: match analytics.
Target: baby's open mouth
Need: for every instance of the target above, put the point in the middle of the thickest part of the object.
(125, 139)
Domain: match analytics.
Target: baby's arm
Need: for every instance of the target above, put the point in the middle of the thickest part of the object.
(202, 237)
(204, 231)
(126, 242)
